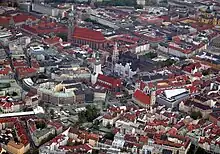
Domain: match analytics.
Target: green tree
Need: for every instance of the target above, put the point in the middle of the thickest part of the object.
(63, 36)
(52, 113)
(50, 137)
(167, 63)
(109, 136)
(33, 151)
(46, 107)
(109, 126)
(91, 113)
(40, 125)
(196, 115)
(96, 125)
(139, 7)
(82, 117)
(14, 94)
(206, 72)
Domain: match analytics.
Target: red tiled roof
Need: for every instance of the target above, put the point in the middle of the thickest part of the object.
(110, 82)
(129, 116)
(57, 125)
(88, 34)
(142, 97)
(45, 28)
(82, 148)
(198, 74)
(25, 71)
(109, 116)
(35, 64)
(19, 63)
(172, 131)
(197, 82)
(6, 120)
(142, 85)
(17, 18)
(130, 138)
(93, 136)
(192, 89)
(4, 20)
(143, 139)
(115, 109)
(5, 71)
(22, 18)
(52, 40)
(7, 105)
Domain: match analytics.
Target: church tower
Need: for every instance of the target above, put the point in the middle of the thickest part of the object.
(115, 55)
(97, 68)
(72, 19)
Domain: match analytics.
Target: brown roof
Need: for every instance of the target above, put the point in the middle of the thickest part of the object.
(15, 145)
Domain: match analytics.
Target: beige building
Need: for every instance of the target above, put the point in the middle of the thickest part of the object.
(15, 148)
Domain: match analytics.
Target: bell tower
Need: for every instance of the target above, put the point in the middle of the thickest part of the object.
(72, 19)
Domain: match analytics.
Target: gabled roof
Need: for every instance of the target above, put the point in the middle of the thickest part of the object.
(17, 18)
(142, 97)
(25, 71)
(88, 34)
(52, 40)
(4, 20)
(22, 18)
(113, 82)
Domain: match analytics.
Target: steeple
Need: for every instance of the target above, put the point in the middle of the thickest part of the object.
(115, 56)
(72, 19)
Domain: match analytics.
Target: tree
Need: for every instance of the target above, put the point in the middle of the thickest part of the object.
(89, 115)
(82, 117)
(16, 140)
(206, 72)
(96, 125)
(109, 136)
(167, 63)
(46, 107)
(123, 101)
(14, 94)
(109, 126)
(50, 137)
(196, 115)
(139, 7)
(52, 113)
(40, 125)
(108, 106)
(117, 3)
(63, 36)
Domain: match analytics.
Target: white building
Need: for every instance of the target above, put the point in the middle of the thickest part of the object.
(97, 69)
(45, 9)
(125, 70)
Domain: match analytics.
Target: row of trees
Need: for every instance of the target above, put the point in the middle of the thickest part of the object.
(127, 3)
(118, 3)
(151, 55)
(167, 63)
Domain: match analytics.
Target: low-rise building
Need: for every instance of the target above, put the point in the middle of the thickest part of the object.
(172, 98)
(39, 135)
(15, 148)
